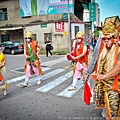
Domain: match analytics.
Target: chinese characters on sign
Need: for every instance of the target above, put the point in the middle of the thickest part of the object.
(59, 26)
(43, 7)
(92, 8)
(60, 9)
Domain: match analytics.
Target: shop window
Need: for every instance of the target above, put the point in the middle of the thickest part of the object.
(34, 37)
(76, 29)
(5, 37)
(3, 14)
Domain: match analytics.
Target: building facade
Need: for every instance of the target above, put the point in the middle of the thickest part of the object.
(14, 22)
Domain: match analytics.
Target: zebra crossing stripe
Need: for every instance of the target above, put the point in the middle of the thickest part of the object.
(23, 76)
(91, 100)
(53, 62)
(48, 63)
(68, 94)
(16, 79)
(33, 81)
(54, 83)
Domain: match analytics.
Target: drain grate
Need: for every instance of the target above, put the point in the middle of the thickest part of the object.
(20, 70)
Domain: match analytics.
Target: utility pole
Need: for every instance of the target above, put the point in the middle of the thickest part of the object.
(69, 41)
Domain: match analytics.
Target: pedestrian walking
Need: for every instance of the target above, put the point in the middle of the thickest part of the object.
(48, 47)
(3, 82)
(80, 56)
(93, 42)
(31, 52)
(107, 86)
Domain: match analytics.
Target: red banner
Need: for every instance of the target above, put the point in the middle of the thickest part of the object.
(59, 26)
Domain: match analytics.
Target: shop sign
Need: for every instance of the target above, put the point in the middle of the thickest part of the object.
(92, 8)
(59, 26)
(43, 25)
(65, 33)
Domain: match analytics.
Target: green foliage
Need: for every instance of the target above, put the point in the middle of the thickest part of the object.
(97, 32)
(60, 52)
(43, 52)
(32, 56)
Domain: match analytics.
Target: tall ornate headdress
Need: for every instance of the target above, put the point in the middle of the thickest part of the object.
(79, 34)
(111, 26)
(28, 34)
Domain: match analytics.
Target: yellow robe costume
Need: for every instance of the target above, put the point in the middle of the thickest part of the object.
(3, 82)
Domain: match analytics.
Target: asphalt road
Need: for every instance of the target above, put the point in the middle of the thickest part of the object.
(48, 101)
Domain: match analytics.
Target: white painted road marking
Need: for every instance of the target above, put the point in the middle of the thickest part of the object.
(54, 83)
(23, 76)
(66, 93)
(91, 100)
(16, 79)
(17, 70)
(53, 62)
(46, 76)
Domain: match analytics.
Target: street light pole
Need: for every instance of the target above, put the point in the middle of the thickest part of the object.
(69, 41)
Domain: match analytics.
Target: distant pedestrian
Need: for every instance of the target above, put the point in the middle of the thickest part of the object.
(48, 47)
(93, 42)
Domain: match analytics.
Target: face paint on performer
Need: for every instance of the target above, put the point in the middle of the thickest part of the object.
(28, 39)
(79, 40)
(109, 43)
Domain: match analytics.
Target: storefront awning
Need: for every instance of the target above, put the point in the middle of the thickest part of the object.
(11, 28)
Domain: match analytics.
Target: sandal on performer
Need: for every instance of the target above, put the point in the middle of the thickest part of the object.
(24, 84)
(4, 92)
(72, 88)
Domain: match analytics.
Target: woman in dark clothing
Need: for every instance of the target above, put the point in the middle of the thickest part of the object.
(48, 46)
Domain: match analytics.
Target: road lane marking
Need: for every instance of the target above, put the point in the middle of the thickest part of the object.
(53, 62)
(91, 100)
(68, 94)
(16, 79)
(54, 83)
(33, 81)
(44, 65)
(21, 70)
(23, 76)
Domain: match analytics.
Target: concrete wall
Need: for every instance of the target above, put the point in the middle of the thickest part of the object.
(59, 41)
(81, 28)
